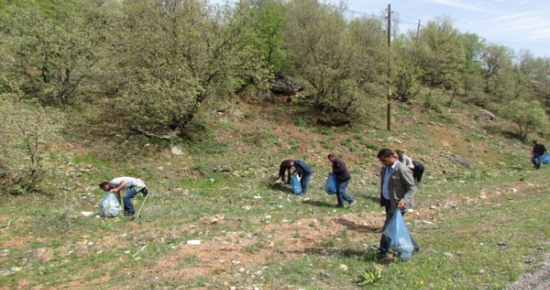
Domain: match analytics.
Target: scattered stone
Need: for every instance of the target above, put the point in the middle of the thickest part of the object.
(44, 254)
(433, 207)
(487, 114)
(175, 150)
(222, 168)
(481, 272)
(502, 244)
(343, 267)
(447, 254)
(324, 274)
(257, 197)
(235, 262)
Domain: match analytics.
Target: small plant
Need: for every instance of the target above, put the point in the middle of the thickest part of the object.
(370, 276)
(372, 146)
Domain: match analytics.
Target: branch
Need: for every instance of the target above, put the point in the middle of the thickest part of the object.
(137, 128)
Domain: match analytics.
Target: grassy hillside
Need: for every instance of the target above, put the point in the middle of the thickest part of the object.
(480, 218)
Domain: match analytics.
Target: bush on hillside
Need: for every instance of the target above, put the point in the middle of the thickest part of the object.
(26, 130)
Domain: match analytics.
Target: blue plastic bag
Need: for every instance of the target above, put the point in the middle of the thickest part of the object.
(296, 186)
(545, 159)
(396, 231)
(109, 206)
(331, 185)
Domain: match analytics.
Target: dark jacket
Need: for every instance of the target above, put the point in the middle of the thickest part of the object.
(302, 168)
(340, 170)
(539, 149)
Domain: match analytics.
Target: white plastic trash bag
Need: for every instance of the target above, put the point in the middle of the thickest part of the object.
(109, 206)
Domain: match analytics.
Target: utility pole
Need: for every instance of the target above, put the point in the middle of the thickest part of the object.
(388, 114)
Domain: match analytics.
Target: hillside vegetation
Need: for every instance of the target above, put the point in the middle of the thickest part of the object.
(180, 94)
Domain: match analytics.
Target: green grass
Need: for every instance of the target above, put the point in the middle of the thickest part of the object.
(277, 251)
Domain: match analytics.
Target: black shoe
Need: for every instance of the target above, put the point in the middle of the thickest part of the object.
(127, 213)
(145, 192)
(384, 257)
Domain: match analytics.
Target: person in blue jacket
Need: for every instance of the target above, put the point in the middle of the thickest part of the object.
(302, 170)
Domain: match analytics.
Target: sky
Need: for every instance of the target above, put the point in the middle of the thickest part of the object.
(517, 24)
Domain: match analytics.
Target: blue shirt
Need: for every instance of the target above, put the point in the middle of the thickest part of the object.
(387, 175)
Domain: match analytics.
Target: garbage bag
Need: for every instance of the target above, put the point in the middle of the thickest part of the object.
(545, 159)
(109, 206)
(396, 231)
(296, 186)
(331, 185)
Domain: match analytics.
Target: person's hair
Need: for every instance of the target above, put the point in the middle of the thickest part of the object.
(331, 156)
(101, 185)
(287, 163)
(385, 153)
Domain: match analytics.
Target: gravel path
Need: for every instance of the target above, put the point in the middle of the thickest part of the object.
(540, 280)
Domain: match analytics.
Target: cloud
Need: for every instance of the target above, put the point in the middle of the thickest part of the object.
(460, 4)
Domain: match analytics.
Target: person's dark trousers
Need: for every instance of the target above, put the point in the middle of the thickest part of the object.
(385, 241)
(128, 205)
(341, 193)
(535, 159)
(304, 181)
(418, 171)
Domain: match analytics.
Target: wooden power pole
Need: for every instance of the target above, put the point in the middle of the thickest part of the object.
(388, 114)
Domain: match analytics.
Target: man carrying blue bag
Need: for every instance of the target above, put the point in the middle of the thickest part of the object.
(341, 173)
(397, 190)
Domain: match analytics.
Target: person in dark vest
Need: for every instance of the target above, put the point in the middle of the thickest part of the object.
(418, 171)
(538, 151)
(343, 177)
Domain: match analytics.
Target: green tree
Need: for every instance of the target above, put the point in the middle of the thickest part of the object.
(27, 131)
(174, 55)
(496, 58)
(529, 116)
(338, 60)
(53, 48)
(445, 60)
(267, 21)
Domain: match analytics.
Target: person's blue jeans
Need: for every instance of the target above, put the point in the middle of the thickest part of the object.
(535, 159)
(385, 241)
(304, 181)
(341, 193)
(128, 205)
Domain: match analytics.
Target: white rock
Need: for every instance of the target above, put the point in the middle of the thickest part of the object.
(343, 267)
(194, 242)
(257, 197)
(447, 254)
(175, 150)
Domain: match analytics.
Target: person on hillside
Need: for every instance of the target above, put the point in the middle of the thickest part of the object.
(300, 168)
(404, 158)
(397, 190)
(285, 166)
(133, 185)
(343, 178)
(538, 151)
(418, 171)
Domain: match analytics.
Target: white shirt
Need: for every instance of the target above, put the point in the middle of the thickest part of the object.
(130, 182)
